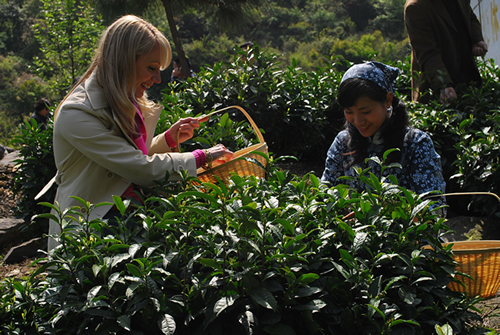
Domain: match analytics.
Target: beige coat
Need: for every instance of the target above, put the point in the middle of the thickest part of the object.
(96, 159)
(435, 43)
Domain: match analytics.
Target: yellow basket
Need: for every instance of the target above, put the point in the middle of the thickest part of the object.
(239, 165)
(480, 260)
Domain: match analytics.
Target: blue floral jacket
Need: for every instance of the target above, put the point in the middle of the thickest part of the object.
(421, 166)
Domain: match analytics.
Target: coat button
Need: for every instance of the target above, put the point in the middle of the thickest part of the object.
(180, 167)
(110, 174)
(83, 210)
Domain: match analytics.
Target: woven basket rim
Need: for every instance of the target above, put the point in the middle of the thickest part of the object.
(476, 258)
(242, 153)
(238, 155)
(476, 246)
(255, 128)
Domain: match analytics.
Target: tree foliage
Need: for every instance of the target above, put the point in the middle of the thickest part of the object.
(68, 33)
(19, 90)
(16, 18)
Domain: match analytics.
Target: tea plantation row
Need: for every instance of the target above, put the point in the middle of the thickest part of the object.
(270, 256)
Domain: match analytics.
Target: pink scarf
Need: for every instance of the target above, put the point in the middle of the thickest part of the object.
(140, 141)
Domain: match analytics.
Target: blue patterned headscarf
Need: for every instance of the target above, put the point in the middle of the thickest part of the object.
(381, 74)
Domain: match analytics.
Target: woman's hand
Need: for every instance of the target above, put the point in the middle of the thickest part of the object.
(220, 154)
(185, 128)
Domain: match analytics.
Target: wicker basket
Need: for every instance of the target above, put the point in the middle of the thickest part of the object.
(480, 260)
(239, 165)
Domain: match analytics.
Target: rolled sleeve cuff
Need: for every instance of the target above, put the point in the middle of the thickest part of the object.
(200, 157)
(170, 142)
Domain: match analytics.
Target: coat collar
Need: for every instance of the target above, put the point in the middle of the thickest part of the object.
(98, 101)
(95, 92)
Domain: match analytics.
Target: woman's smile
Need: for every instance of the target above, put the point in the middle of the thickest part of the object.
(147, 70)
(367, 115)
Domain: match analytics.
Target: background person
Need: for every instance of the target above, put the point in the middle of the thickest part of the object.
(376, 121)
(177, 73)
(41, 114)
(445, 37)
(104, 141)
(247, 47)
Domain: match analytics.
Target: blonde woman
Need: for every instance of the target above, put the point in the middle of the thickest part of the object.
(103, 129)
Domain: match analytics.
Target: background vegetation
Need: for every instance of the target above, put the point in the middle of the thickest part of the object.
(45, 45)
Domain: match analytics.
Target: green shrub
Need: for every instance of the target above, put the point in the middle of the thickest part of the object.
(7, 129)
(35, 168)
(299, 116)
(68, 32)
(255, 256)
(19, 92)
(296, 110)
(368, 47)
(466, 135)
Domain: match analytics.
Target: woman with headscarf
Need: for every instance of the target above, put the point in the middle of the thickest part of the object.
(376, 121)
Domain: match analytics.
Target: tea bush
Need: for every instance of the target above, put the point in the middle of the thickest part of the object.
(35, 168)
(296, 110)
(466, 135)
(255, 256)
(299, 116)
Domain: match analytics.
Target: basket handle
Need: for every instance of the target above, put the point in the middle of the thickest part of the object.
(249, 118)
(464, 193)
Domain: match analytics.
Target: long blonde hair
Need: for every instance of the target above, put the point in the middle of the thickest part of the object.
(122, 43)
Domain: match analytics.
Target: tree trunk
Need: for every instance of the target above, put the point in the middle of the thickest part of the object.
(176, 39)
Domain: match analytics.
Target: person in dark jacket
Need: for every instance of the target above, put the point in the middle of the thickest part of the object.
(41, 114)
(177, 74)
(445, 36)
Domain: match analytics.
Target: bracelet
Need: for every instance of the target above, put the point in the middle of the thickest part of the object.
(209, 158)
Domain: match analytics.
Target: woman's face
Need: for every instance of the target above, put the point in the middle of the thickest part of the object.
(368, 115)
(147, 73)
